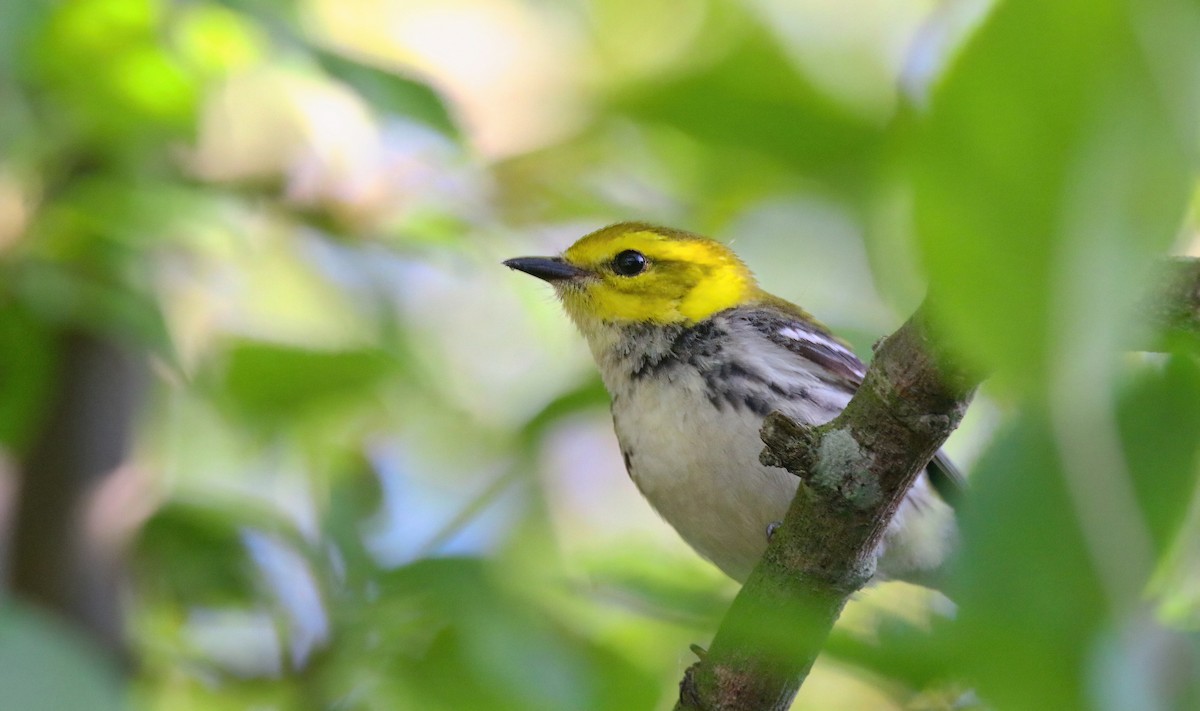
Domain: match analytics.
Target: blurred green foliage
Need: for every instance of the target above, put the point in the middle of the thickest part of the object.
(366, 475)
(47, 666)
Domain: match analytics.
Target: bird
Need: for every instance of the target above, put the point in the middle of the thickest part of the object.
(694, 355)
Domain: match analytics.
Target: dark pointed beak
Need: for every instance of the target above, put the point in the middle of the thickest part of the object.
(547, 268)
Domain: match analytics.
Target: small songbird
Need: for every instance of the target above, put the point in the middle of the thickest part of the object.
(694, 355)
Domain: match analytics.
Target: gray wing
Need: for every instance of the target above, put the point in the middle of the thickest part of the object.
(813, 342)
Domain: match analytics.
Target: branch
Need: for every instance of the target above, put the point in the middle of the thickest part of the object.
(855, 472)
(85, 437)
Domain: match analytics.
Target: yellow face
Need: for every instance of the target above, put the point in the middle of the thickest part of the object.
(633, 272)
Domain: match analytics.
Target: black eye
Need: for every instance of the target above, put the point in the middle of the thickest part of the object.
(629, 263)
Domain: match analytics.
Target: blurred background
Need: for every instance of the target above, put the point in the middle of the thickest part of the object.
(277, 431)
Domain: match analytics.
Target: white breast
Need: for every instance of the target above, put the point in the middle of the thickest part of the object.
(695, 459)
(698, 466)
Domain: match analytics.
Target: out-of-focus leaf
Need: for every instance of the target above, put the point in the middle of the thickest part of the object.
(1054, 159)
(70, 293)
(555, 675)
(384, 90)
(1160, 427)
(109, 79)
(489, 648)
(46, 667)
(355, 494)
(1030, 604)
(356, 485)
(754, 98)
(216, 39)
(266, 12)
(179, 693)
(658, 585)
(391, 92)
(90, 257)
(193, 553)
(272, 383)
(27, 359)
(898, 651)
(589, 394)
(94, 214)
(20, 23)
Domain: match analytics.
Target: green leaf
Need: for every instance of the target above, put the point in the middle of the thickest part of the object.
(1159, 417)
(899, 650)
(388, 91)
(194, 554)
(274, 383)
(71, 294)
(391, 92)
(266, 12)
(20, 24)
(355, 494)
(754, 98)
(87, 263)
(1030, 604)
(658, 585)
(105, 74)
(44, 666)
(588, 395)
(28, 356)
(491, 648)
(1053, 165)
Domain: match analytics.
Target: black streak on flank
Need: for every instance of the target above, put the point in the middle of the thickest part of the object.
(733, 369)
(757, 405)
(692, 345)
(627, 456)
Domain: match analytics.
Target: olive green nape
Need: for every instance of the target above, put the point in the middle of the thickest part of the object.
(621, 228)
